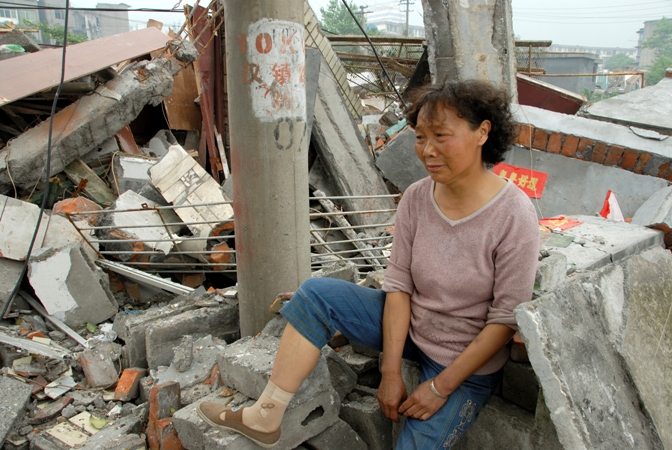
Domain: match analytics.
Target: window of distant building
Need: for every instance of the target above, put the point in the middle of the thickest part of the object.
(59, 14)
(30, 16)
(8, 13)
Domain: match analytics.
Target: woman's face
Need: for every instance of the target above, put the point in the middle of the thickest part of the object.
(447, 146)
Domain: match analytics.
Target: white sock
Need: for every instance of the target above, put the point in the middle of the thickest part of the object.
(266, 414)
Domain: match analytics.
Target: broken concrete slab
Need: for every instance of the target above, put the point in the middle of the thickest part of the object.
(158, 145)
(343, 378)
(344, 153)
(18, 37)
(132, 223)
(85, 124)
(71, 287)
(14, 396)
(164, 334)
(124, 433)
(183, 182)
(598, 242)
(656, 213)
(579, 187)
(17, 224)
(9, 277)
(647, 108)
(551, 271)
(342, 270)
(398, 162)
(578, 337)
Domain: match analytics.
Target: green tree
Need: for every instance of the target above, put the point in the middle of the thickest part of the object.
(336, 19)
(619, 61)
(55, 32)
(661, 42)
(657, 70)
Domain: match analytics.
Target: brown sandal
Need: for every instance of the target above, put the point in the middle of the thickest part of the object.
(211, 414)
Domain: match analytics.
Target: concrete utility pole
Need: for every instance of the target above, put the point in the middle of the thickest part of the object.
(266, 82)
(471, 39)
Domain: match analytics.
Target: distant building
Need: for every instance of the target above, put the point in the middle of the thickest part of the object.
(646, 56)
(571, 63)
(389, 18)
(92, 24)
(603, 52)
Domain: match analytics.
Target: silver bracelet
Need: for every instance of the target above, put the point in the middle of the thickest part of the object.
(433, 388)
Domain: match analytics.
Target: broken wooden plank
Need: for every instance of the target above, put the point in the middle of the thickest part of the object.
(127, 141)
(19, 79)
(77, 171)
(181, 110)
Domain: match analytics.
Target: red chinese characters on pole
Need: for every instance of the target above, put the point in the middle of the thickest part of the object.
(530, 181)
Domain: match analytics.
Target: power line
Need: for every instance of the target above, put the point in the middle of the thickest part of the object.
(57, 8)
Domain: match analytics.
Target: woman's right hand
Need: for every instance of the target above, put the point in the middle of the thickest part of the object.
(391, 393)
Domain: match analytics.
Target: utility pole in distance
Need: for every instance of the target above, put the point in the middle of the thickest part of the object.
(266, 80)
(408, 4)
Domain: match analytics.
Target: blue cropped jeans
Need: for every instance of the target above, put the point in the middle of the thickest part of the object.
(323, 305)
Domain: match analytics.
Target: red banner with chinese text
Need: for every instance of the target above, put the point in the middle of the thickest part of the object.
(530, 181)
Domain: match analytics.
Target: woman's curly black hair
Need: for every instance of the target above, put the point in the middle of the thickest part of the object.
(474, 101)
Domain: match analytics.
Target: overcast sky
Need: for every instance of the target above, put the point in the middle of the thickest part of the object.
(605, 23)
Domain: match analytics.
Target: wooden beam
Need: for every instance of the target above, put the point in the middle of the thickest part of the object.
(77, 171)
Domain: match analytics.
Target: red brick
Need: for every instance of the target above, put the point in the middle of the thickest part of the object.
(193, 280)
(162, 435)
(643, 159)
(570, 145)
(35, 334)
(127, 386)
(663, 169)
(518, 350)
(75, 205)
(525, 135)
(540, 139)
(613, 155)
(629, 159)
(668, 177)
(554, 143)
(599, 152)
(220, 258)
(585, 149)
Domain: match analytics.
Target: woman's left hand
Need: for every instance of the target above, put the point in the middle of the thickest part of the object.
(422, 403)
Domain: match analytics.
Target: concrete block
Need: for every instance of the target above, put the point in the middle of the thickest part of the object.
(128, 386)
(131, 328)
(71, 287)
(101, 152)
(551, 271)
(362, 412)
(358, 362)
(181, 181)
(99, 366)
(343, 270)
(520, 385)
(343, 378)
(398, 163)
(576, 337)
(14, 396)
(275, 327)
(246, 366)
(164, 400)
(160, 143)
(338, 436)
(162, 335)
(205, 352)
(375, 279)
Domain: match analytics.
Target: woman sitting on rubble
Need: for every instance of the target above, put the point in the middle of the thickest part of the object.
(464, 256)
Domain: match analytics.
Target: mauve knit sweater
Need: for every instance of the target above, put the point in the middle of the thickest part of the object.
(462, 274)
